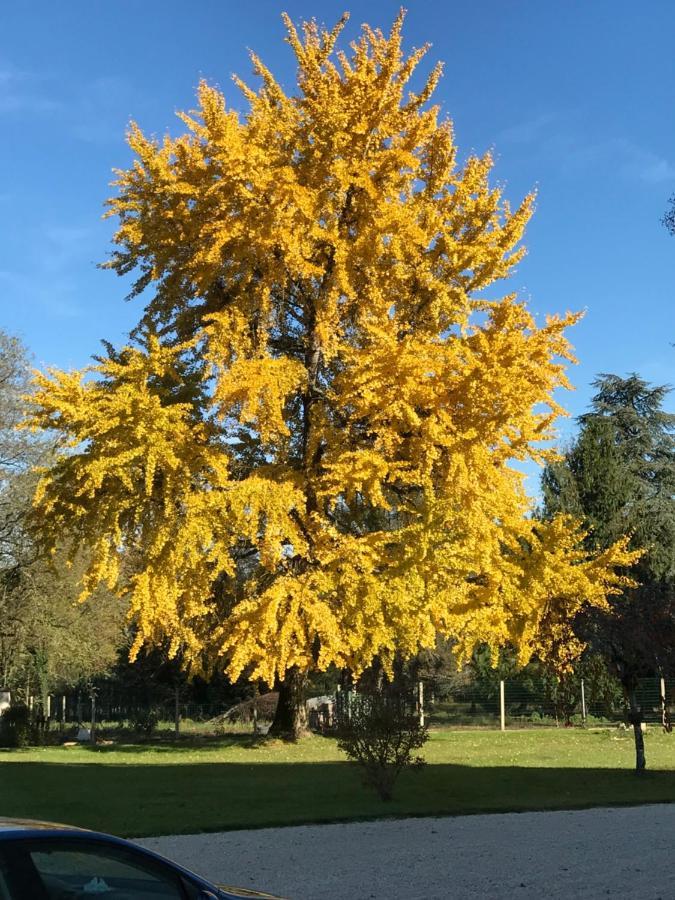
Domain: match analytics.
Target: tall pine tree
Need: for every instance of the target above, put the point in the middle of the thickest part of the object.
(619, 477)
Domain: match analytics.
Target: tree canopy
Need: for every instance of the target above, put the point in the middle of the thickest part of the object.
(304, 455)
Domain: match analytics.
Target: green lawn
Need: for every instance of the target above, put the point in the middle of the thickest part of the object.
(233, 783)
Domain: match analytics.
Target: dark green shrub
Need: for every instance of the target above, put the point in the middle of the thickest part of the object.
(15, 727)
(146, 720)
(380, 731)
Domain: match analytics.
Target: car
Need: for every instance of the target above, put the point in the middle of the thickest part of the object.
(46, 861)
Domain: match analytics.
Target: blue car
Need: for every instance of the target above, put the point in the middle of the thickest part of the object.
(44, 861)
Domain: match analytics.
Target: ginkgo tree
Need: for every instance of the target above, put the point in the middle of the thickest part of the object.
(304, 457)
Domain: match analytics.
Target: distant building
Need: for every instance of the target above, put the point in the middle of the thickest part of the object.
(5, 697)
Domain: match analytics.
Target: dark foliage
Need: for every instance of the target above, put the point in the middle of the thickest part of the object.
(15, 727)
(380, 731)
(619, 476)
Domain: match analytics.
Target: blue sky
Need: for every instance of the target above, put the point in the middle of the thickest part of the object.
(576, 99)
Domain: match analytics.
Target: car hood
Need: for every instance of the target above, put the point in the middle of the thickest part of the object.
(236, 892)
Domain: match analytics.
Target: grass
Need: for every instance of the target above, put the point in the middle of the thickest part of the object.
(235, 782)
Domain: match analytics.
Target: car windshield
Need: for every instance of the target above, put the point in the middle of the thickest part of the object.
(63, 871)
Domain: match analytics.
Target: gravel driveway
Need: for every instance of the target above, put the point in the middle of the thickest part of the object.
(594, 853)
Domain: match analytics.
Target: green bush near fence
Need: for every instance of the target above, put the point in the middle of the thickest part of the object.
(17, 728)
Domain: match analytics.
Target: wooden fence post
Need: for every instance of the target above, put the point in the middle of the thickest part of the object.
(502, 706)
(420, 702)
(583, 702)
(255, 707)
(176, 711)
(92, 731)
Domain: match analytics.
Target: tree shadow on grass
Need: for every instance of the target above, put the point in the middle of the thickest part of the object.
(172, 798)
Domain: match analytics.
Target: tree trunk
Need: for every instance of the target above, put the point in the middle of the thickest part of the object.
(636, 721)
(665, 714)
(290, 719)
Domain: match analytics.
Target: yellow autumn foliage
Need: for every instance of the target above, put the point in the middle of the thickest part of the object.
(305, 457)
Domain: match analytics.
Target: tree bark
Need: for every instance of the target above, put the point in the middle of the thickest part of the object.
(665, 715)
(636, 721)
(290, 718)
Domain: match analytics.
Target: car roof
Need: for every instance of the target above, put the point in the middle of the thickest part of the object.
(12, 828)
(12, 824)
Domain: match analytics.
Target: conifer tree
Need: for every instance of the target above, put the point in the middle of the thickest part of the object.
(619, 477)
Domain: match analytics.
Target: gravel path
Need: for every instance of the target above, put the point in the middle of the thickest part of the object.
(594, 853)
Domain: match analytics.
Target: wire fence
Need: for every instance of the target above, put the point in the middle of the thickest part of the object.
(439, 703)
(541, 703)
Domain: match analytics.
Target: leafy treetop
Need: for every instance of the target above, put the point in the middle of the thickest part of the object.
(303, 458)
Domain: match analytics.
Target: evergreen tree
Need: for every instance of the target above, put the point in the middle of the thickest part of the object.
(619, 476)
